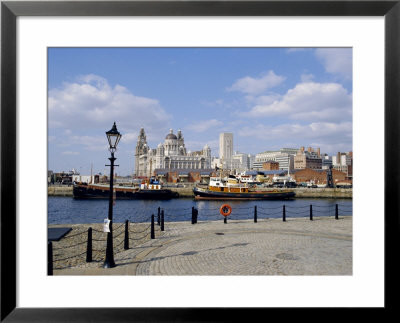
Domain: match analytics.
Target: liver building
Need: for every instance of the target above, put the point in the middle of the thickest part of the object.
(170, 155)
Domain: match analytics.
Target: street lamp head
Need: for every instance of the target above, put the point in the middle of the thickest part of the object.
(113, 137)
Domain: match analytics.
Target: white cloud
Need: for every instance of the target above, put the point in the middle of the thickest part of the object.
(309, 101)
(328, 136)
(129, 137)
(307, 77)
(205, 125)
(91, 102)
(337, 60)
(262, 99)
(256, 86)
(215, 103)
(195, 145)
(93, 143)
(70, 153)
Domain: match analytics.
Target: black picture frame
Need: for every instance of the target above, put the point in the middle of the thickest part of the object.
(10, 10)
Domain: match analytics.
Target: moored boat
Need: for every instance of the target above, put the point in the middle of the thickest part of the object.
(225, 189)
(151, 190)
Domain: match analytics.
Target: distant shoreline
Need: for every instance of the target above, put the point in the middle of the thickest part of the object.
(186, 192)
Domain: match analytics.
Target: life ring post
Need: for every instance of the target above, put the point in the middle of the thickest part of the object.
(225, 210)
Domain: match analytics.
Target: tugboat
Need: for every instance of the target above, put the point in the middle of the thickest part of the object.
(150, 190)
(230, 188)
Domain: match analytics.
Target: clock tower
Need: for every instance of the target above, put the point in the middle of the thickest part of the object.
(141, 149)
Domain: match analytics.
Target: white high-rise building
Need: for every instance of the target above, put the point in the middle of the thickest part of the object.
(284, 156)
(251, 161)
(226, 147)
(286, 162)
(263, 157)
(240, 161)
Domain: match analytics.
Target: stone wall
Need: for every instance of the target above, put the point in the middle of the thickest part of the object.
(187, 191)
(300, 192)
(59, 191)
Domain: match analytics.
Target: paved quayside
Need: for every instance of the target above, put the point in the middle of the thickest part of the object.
(240, 247)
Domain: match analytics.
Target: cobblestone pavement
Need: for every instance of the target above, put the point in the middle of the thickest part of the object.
(241, 247)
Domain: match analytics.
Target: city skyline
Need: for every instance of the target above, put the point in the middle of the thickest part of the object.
(269, 98)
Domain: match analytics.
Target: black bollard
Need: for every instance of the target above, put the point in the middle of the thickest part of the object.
(89, 246)
(158, 216)
(126, 241)
(284, 214)
(196, 213)
(152, 227)
(193, 216)
(336, 212)
(311, 212)
(225, 219)
(255, 213)
(50, 258)
(162, 220)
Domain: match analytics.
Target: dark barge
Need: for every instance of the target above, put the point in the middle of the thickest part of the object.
(98, 191)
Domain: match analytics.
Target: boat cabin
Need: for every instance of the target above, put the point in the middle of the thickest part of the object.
(152, 184)
(217, 184)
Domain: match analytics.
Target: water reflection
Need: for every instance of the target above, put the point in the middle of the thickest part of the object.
(68, 210)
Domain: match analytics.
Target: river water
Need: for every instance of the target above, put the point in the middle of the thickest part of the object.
(66, 210)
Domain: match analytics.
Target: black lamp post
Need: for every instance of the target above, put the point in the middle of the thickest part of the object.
(113, 137)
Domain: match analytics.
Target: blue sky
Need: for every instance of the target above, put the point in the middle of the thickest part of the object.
(269, 98)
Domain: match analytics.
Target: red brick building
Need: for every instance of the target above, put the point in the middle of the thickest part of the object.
(317, 176)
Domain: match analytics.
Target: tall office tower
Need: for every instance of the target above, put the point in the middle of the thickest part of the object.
(226, 146)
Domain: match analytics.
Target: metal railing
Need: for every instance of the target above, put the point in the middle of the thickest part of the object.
(257, 212)
(90, 245)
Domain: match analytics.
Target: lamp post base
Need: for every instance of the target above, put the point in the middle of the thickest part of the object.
(109, 264)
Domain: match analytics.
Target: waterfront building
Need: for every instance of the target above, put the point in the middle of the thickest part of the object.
(290, 151)
(344, 163)
(286, 161)
(226, 146)
(326, 161)
(235, 162)
(265, 176)
(184, 176)
(266, 156)
(284, 156)
(308, 159)
(251, 159)
(270, 165)
(233, 165)
(318, 176)
(50, 177)
(263, 157)
(169, 155)
(342, 158)
(60, 177)
(241, 162)
(215, 162)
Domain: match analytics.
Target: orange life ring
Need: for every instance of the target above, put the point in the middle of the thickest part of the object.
(225, 210)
